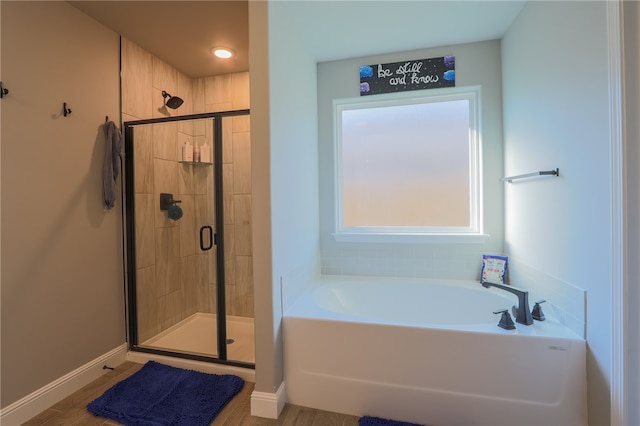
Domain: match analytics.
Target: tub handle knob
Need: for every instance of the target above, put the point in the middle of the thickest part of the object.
(537, 313)
(505, 320)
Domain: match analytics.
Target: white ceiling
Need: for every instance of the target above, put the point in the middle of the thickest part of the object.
(349, 29)
(182, 32)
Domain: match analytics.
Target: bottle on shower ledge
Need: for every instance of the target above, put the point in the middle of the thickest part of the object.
(196, 153)
(187, 152)
(205, 153)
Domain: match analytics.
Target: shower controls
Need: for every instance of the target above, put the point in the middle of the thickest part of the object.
(174, 212)
(166, 201)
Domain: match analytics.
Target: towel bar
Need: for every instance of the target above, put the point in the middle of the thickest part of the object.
(510, 179)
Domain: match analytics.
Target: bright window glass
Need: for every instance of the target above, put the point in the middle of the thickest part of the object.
(408, 164)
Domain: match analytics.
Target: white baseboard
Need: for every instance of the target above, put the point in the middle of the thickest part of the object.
(268, 405)
(38, 401)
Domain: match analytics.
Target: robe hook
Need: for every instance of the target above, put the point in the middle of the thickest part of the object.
(3, 91)
(65, 111)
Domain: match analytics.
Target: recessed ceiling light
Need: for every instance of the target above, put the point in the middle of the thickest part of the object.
(222, 52)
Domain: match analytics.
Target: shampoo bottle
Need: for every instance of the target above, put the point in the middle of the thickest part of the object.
(187, 152)
(205, 153)
(196, 153)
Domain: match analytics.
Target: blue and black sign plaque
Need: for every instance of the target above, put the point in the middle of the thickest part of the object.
(408, 75)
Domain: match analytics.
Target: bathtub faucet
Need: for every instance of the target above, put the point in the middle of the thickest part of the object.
(522, 314)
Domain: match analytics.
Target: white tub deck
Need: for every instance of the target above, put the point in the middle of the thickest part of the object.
(418, 366)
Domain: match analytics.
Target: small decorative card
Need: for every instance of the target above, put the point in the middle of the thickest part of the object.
(494, 269)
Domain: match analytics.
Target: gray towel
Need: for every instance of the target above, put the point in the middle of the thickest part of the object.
(113, 152)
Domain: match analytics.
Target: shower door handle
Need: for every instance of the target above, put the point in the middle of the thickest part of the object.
(202, 232)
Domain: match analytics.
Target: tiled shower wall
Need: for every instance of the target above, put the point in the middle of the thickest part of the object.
(174, 277)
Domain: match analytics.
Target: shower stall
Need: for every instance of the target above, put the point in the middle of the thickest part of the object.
(188, 237)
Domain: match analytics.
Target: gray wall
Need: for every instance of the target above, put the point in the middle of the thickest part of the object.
(631, 11)
(567, 130)
(268, 341)
(62, 291)
(284, 172)
(556, 114)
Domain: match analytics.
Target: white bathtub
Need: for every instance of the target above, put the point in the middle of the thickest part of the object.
(429, 352)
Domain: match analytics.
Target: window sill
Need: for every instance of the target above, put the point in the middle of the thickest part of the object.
(359, 237)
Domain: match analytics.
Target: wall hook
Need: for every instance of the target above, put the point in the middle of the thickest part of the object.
(65, 111)
(3, 91)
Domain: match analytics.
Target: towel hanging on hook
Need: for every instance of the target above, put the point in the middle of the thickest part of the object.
(114, 145)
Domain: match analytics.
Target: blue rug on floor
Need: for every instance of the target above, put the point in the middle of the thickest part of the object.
(377, 421)
(160, 395)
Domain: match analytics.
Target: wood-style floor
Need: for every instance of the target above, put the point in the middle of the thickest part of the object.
(72, 410)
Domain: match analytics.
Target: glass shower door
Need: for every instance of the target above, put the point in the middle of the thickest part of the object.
(188, 229)
(175, 264)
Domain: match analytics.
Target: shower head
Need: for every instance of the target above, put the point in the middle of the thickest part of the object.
(173, 102)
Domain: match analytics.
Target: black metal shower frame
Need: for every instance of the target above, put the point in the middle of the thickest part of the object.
(129, 196)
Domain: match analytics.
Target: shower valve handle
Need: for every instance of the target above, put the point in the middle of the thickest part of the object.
(166, 201)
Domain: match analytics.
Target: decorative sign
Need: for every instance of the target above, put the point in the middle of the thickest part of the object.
(409, 75)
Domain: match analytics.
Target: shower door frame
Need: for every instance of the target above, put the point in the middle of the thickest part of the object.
(130, 239)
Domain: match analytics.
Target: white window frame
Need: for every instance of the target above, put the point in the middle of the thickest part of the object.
(471, 234)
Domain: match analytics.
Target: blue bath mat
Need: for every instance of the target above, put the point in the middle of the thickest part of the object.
(377, 421)
(160, 395)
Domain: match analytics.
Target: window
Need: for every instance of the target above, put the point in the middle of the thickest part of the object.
(408, 165)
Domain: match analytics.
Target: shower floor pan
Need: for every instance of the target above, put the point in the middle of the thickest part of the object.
(198, 334)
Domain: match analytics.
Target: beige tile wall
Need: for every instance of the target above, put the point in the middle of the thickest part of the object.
(174, 277)
(237, 214)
